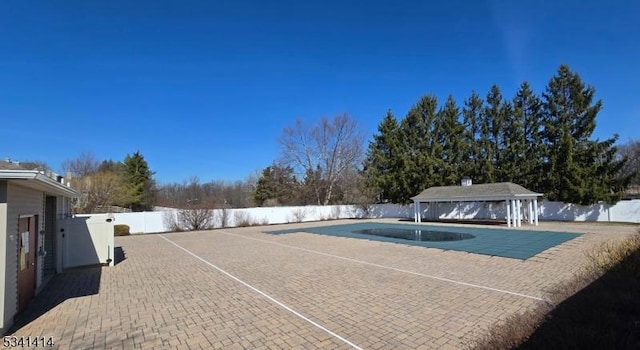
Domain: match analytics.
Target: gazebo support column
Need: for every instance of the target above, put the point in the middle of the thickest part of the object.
(519, 211)
(530, 217)
(535, 211)
(508, 204)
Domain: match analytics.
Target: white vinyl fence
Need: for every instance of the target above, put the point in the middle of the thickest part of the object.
(159, 221)
(86, 241)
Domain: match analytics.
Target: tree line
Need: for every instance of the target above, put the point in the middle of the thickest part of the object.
(193, 194)
(542, 142)
(128, 184)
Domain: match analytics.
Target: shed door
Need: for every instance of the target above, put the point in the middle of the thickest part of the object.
(26, 261)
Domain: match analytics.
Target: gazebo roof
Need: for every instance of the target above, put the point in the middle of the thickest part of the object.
(482, 192)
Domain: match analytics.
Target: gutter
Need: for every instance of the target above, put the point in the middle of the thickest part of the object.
(35, 175)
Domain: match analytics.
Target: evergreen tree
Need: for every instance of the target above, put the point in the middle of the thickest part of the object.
(528, 110)
(514, 146)
(579, 169)
(276, 186)
(543, 144)
(450, 136)
(382, 164)
(487, 142)
(496, 114)
(139, 182)
(422, 162)
(471, 151)
(313, 188)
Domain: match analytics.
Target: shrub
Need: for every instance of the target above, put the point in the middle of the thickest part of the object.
(121, 230)
(366, 211)
(170, 221)
(195, 219)
(242, 219)
(299, 215)
(510, 333)
(611, 253)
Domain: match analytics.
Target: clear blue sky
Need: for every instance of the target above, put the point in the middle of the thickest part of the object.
(204, 88)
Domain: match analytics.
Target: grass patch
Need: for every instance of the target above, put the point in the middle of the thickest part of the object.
(598, 309)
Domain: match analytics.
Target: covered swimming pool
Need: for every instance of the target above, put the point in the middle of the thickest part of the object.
(508, 243)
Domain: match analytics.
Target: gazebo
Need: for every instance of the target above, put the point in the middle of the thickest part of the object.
(516, 199)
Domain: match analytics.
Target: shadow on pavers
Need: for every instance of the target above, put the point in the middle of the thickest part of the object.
(118, 255)
(70, 284)
(603, 315)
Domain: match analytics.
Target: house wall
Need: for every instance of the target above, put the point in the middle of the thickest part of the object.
(22, 201)
(3, 249)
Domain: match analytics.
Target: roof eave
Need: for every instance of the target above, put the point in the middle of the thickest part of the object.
(476, 198)
(45, 183)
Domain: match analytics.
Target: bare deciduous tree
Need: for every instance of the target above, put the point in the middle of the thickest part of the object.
(326, 150)
(631, 150)
(214, 194)
(196, 219)
(98, 189)
(85, 164)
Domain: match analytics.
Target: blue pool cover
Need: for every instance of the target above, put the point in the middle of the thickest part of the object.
(508, 243)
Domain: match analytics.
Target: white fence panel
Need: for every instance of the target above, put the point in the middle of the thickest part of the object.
(629, 212)
(573, 212)
(153, 222)
(86, 241)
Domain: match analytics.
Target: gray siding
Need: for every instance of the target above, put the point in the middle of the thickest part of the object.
(21, 201)
(3, 251)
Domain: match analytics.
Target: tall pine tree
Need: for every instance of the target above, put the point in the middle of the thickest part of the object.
(139, 182)
(472, 122)
(494, 116)
(528, 108)
(383, 161)
(514, 145)
(422, 162)
(276, 186)
(451, 137)
(579, 170)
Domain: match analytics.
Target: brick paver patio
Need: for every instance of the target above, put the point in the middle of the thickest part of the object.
(244, 289)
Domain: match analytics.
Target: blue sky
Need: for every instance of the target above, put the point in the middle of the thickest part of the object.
(204, 88)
